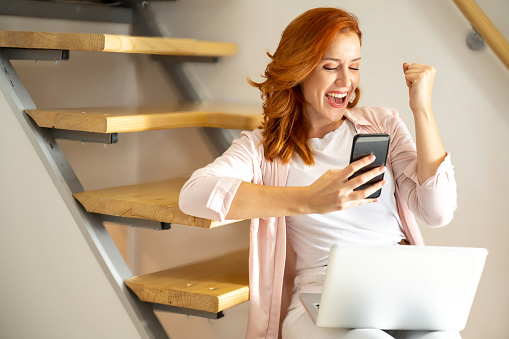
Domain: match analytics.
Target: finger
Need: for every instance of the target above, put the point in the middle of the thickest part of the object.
(421, 69)
(411, 79)
(417, 76)
(415, 71)
(408, 82)
(356, 203)
(357, 165)
(373, 188)
(416, 65)
(407, 71)
(365, 177)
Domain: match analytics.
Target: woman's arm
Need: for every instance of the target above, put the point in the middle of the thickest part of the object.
(434, 200)
(331, 192)
(423, 170)
(232, 188)
(430, 151)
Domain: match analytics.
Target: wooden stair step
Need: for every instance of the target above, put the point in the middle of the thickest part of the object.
(156, 201)
(136, 119)
(211, 286)
(115, 43)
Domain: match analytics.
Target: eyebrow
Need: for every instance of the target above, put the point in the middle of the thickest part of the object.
(338, 60)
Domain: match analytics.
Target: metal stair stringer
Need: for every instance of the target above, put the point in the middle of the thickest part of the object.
(66, 182)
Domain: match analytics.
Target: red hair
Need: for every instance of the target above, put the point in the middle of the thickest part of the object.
(302, 46)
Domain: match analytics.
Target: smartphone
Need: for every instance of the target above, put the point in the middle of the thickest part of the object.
(368, 144)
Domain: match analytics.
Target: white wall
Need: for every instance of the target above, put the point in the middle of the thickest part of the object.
(470, 102)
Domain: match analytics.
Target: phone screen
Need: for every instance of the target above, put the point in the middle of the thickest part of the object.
(368, 144)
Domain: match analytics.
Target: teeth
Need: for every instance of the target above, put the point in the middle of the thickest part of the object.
(336, 95)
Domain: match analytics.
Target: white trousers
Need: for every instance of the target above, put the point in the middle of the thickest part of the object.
(298, 324)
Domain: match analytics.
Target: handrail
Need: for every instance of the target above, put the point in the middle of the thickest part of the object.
(485, 28)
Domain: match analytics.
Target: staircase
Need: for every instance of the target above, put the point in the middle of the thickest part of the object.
(203, 289)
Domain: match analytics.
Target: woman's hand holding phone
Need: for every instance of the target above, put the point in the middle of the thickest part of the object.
(367, 144)
(333, 191)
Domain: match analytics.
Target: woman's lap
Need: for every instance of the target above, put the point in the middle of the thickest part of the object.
(298, 325)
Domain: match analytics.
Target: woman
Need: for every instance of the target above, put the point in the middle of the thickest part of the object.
(291, 176)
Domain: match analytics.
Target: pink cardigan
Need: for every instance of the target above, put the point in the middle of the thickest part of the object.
(210, 190)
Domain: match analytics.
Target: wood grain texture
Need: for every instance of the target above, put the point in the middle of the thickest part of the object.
(485, 28)
(48, 40)
(167, 46)
(136, 119)
(212, 285)
(115, 43)
(157, 201)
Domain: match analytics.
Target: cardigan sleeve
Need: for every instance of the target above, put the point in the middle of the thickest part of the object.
(210, 190)
(433, 201)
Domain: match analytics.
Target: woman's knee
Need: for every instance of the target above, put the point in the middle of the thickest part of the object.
(440, 335)
(425, 334)
(366, 334)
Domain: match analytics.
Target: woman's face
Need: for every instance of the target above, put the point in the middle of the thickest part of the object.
(329, 87)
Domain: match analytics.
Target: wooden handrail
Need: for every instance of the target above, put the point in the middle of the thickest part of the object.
(485, 28)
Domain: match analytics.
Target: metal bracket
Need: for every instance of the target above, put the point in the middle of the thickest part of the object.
(188, 311)
(475, 41)
(155, 225)
(101, 138)
(54, 55)
(145, 24)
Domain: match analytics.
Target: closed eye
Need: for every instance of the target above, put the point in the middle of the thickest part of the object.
(335, 68)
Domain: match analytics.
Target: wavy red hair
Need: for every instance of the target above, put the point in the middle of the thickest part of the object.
(302, 46)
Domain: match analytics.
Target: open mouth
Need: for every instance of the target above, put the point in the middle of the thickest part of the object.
(336, 99)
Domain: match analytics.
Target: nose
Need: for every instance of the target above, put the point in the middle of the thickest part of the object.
(343, 77)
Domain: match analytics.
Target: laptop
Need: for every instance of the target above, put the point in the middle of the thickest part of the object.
(397, 287)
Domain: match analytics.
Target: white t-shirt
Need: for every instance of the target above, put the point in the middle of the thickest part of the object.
(312, 235)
